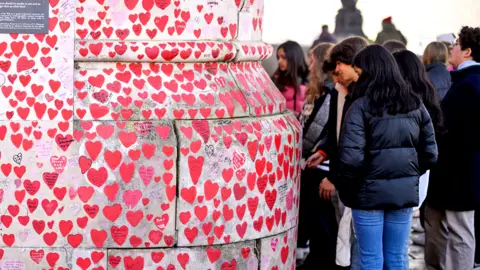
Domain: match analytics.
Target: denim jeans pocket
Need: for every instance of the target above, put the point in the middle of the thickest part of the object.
(370, 211)
(405, 210)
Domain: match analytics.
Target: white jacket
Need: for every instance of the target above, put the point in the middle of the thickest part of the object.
(344, 237)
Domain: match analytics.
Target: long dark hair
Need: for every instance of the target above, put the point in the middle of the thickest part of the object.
(414, 73)
(382, 84)
(297, 69)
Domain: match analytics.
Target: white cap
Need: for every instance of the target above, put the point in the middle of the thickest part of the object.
(450, 38)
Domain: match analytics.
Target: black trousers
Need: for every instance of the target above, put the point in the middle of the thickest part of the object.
(477, 235)
(317, 223)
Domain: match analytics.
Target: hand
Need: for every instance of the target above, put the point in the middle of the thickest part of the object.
(326, 189)
(314, 160)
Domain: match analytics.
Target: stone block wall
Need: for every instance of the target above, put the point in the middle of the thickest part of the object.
(145, 134)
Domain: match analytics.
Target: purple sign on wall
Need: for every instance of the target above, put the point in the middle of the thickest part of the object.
(24, 16)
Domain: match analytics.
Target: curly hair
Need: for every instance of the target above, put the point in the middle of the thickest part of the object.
(318, 76)
(470, 38)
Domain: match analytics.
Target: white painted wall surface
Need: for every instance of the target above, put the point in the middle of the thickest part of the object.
(421, 21)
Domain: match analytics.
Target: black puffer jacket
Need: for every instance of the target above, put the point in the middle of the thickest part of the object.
(381, 158)
(455, 180)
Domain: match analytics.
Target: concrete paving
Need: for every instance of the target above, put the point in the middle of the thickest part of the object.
(416, 253)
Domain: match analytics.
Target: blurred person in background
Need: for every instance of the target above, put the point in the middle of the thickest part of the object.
(435, 59)
(449, 47)
(454, 189)
(449, 41)
(387, 141)
(317, 220)
(449, 38)
(389, 32)
(325, 37)
(394, 46)
(291, 75)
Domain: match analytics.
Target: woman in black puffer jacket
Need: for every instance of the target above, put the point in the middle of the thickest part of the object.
(387, 142)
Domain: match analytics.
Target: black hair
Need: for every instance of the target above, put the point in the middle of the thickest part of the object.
(346, 50)
(297, 69)
(394, 45)
(328, 66)
(470, 38)
(382, 84)
(414, 73)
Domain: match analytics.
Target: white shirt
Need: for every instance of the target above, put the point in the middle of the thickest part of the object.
(467, 64)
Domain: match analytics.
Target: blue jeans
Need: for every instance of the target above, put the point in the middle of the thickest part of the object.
(355, 257)
(383, 238)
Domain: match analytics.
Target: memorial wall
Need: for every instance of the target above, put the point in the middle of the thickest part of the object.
(143, 134)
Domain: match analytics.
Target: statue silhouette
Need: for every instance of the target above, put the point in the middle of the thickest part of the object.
(349, 20)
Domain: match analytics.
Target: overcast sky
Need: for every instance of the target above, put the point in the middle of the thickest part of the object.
(419, 20)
